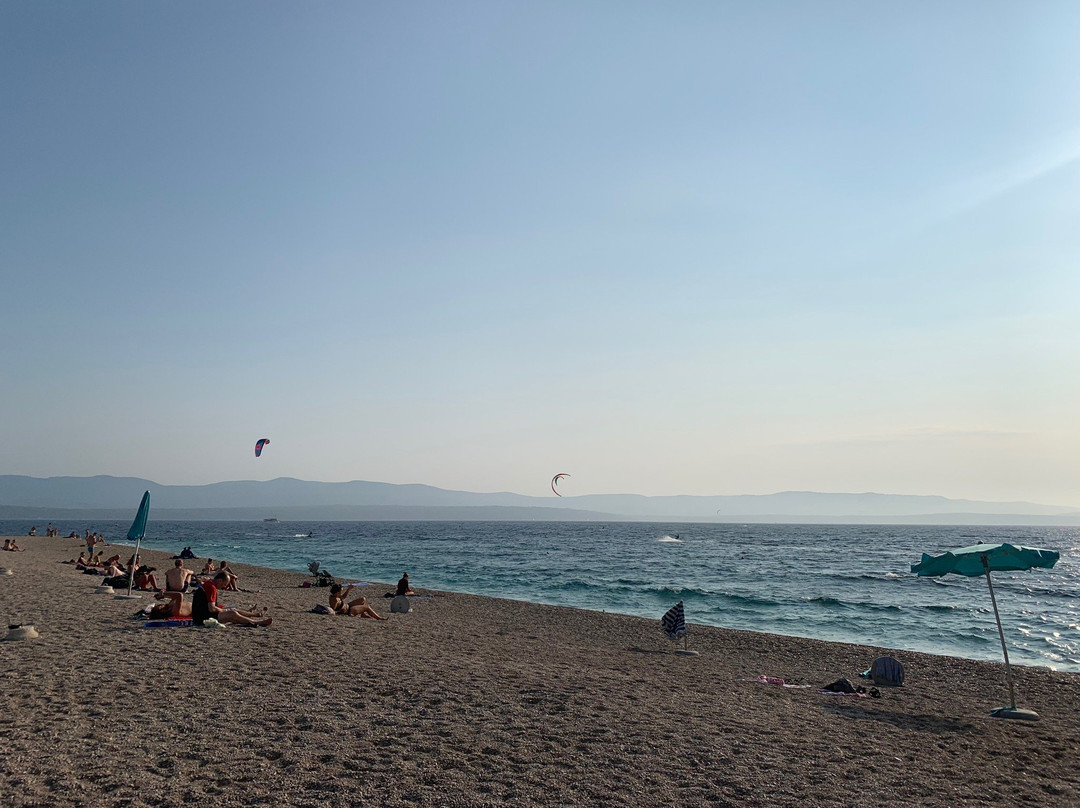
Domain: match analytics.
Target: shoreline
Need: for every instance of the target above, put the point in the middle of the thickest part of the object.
(469, 700)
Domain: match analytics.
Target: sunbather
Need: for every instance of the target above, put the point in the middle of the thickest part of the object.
(178, 578)
(145, 578)
(356, 608)
(204, 605)
(172, 607)
(233, 577)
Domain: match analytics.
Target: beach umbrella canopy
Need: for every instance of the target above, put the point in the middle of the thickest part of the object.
(137, 531)
(138, 527)
(981, 559)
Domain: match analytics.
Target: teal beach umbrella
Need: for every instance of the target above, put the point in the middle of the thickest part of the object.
(980, 559)
(135, 533)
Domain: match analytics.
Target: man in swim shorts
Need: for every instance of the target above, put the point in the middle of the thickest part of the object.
(178, 578)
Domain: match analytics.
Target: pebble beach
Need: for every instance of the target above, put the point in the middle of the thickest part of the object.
(473, 701)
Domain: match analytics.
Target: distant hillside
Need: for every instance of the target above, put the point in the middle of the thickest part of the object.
(286, 498)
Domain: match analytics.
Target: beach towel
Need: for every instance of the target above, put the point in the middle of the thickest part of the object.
(839, 693)
(885, 670)
(775, 680)
(176, 622)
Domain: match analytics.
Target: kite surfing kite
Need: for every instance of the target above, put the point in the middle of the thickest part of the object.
(259, 444)
(555, 482)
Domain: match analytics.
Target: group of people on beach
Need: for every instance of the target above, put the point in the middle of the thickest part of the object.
(204, 603)
(204, 586)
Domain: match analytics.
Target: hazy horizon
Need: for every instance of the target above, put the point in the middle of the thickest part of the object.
(709, 249)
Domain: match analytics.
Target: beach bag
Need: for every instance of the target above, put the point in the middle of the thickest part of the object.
(840, 686)
(885, 670)
(200, 607)
(322, 608)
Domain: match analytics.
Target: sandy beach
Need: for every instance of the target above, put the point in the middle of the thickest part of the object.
(471, 701)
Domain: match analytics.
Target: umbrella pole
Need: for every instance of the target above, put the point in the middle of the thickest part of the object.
(1001, 634)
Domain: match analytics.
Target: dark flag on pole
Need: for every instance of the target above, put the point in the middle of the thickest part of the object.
(674, 623)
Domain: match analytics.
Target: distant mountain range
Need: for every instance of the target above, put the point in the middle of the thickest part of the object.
(288, 499)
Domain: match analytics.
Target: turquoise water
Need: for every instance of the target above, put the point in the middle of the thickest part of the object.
(848, 583)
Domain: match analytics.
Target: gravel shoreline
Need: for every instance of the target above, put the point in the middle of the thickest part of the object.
(472, 701)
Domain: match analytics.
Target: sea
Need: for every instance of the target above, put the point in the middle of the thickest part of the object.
(846, 583)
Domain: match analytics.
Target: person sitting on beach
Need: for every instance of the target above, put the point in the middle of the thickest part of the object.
(403, 587)
(9, 544)
(173, 607)
(204, 605)
(186, 554)
(145, 578)
(134, 562)
(357, 608)
(113, 569)
(79, 562)
(33, 531)
(208, 567)
(178, 578)
(233, 577)
(73, 535)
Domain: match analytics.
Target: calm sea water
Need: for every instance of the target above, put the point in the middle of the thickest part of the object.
(849, 583)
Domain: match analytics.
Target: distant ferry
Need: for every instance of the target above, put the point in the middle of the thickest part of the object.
(271, 519)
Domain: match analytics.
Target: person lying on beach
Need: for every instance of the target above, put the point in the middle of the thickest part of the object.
(356, 608)
(173, 606)
(233, 577)
(204, 605)
(79, 562)
(178, 578)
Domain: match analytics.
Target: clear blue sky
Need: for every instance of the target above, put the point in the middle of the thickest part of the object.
(700, 247)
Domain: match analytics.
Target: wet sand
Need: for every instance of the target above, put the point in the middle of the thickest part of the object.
(470, 701)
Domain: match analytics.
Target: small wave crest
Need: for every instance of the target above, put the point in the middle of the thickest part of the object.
(670, 540)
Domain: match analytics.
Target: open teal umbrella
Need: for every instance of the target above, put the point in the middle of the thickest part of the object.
(980, 559)
(136, 533)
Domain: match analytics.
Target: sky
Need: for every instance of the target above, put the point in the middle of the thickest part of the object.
(667, 248)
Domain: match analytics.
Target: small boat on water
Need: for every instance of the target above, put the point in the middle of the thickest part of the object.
(271, 519)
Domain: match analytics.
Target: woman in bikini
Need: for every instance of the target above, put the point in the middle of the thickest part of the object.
(357, 608)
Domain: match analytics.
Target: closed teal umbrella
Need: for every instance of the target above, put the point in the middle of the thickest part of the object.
(136, 533)
(980, 559)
